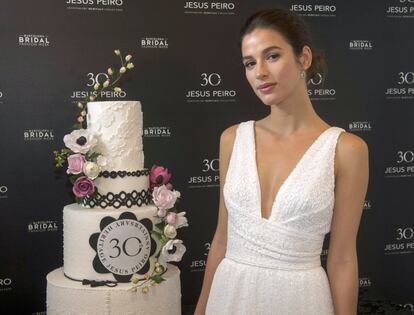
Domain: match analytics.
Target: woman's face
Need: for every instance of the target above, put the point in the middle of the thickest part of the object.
(270, 64)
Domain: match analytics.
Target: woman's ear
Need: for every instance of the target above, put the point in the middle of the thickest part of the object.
(306, 57)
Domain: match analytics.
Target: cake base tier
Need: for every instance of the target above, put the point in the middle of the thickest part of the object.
(67, 297)
(80, 253)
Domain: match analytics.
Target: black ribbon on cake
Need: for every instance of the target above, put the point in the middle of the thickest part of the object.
(95, 283)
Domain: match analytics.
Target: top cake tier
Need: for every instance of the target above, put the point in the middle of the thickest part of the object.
(118, 126)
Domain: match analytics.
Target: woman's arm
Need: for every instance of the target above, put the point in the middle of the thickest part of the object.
(350, 189)
(219, 243)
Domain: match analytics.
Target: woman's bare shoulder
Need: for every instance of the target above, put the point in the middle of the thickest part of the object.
(228, 135)
(348, 141)
(351, 149)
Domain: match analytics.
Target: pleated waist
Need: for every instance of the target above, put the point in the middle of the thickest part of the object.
(282, 264)
(271, 246)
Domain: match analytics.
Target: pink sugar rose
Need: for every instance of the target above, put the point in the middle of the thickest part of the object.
(83, 186)
(159, 175)
(75, 163)
(164, 198)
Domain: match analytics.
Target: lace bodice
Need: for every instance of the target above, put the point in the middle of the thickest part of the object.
(301, 215)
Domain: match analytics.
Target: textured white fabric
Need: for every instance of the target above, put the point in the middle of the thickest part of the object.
(272, 266)
(67, 297)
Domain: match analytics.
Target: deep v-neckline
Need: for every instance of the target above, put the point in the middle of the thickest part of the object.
(290, 175)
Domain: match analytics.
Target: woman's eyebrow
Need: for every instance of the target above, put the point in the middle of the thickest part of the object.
(264, 51)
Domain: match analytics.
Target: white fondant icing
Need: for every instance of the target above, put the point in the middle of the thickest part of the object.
(79, 224)
(67, 297)
(118, 126)
(118, 184)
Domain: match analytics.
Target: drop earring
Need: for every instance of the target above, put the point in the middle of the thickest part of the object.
(302, 74)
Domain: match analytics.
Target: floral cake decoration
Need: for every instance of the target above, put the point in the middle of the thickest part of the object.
(166, 199)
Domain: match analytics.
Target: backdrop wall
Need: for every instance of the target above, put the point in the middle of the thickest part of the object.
(189, 77)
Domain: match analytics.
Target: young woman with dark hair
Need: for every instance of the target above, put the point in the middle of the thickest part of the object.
(286, 181)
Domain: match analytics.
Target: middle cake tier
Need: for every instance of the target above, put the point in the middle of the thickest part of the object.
(120, 189)
(109, 244)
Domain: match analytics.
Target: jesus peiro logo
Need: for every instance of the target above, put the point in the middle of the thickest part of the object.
(404, 166)
(95, 5)
(400, 9)
(200, 264)
(3, 191)
(123, 247)
(210, 90)
(210, 8)
(403, 243)
(210, 176)
(404, 88)
(5, 284)
(316, 91)
(33, 40)
(318, 10)
(94, 78)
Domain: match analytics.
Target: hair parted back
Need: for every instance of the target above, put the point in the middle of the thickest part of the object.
(295, 31)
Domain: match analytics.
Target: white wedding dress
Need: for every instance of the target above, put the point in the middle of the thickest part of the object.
(272, 266)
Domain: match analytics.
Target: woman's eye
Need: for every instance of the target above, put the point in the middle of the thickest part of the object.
(248, 64)
(273, 56)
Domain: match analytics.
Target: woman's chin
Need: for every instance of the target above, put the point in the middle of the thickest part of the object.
(268, 101)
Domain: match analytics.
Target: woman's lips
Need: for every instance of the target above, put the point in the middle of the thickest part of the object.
(264, 88)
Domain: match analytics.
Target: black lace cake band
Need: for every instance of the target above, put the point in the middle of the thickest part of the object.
(122, 174)
(122, 199)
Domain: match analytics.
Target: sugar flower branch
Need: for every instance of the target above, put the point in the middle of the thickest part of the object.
(99, 87)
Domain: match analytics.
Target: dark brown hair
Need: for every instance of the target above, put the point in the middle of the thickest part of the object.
(295, 31)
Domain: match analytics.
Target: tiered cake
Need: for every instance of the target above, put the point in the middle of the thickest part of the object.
(107, 239)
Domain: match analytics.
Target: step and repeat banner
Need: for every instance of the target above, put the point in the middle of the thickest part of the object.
(190, 80)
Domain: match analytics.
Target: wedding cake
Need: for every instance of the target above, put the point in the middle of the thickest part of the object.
(108, 242)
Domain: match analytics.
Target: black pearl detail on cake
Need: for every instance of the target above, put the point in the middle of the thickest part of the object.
(81, 140)
(123, 199)
(122, 174)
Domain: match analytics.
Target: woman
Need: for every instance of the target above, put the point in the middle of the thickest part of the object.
(287, 180)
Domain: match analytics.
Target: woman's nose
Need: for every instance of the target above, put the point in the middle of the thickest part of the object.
(261, 69)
